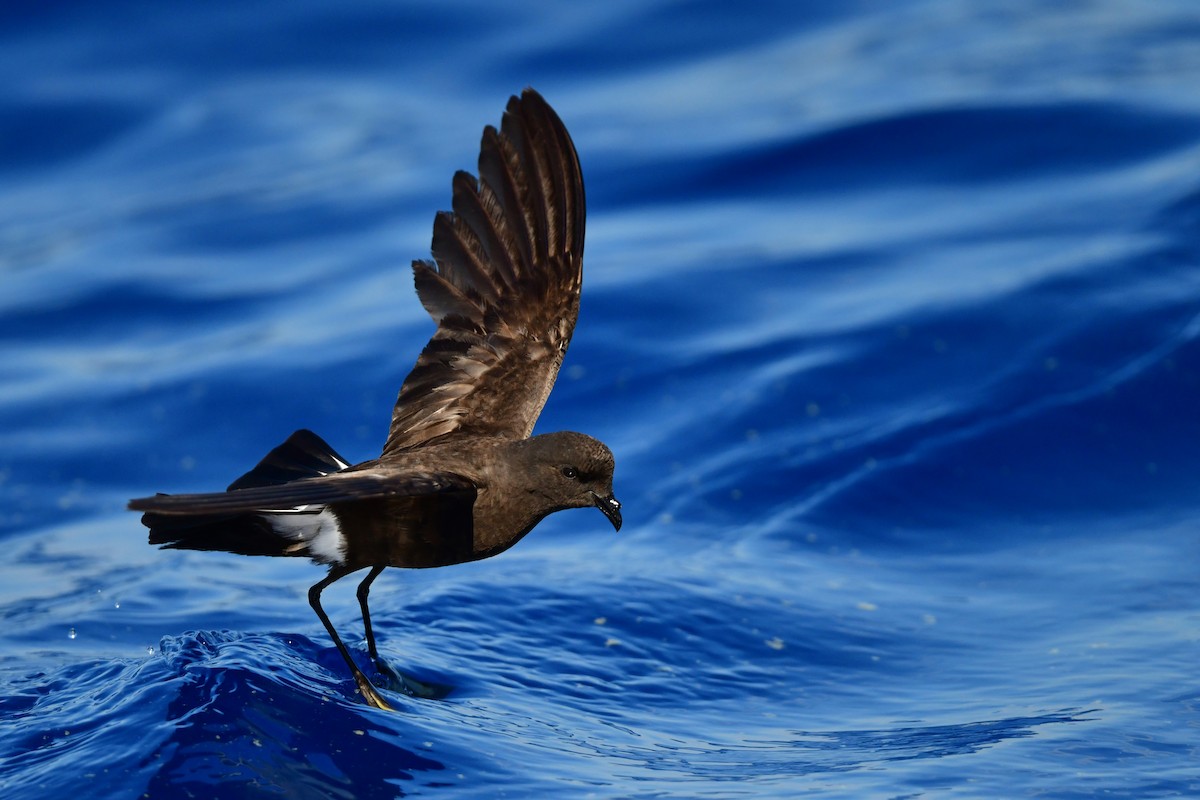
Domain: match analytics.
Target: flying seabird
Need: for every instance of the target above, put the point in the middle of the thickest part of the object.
(460, 477)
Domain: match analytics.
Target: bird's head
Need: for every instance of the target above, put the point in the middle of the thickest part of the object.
(571, 470)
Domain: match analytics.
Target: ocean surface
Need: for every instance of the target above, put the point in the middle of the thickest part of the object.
(891, 316)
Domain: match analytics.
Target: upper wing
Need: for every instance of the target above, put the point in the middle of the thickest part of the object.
(503, 286)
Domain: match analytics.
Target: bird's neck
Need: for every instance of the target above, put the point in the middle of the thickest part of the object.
(510, 503)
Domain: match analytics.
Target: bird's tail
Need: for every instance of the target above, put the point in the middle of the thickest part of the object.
(303, 455)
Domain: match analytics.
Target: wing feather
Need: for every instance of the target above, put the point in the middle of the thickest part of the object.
(503, 286)
(312, 492)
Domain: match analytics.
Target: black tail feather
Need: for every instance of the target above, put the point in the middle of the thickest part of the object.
(244, 534)
(303, 455)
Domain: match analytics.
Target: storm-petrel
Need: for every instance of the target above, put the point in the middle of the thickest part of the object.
(460, 478)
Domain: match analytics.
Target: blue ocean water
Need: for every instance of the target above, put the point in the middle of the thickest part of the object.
(891, 317)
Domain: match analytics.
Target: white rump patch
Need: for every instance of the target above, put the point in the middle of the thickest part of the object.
(315, 533)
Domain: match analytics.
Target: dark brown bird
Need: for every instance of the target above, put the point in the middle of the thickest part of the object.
(460, 478)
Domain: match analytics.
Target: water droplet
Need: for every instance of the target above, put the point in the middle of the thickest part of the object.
(71, 633)
(117, 604)
(149, 651)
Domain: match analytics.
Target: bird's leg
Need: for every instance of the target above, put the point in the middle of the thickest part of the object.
(363, 589)
(364, 686)
(392, 679)
(396, 681)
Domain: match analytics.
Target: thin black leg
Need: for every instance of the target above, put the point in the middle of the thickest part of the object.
(314, 599)
(363, 589)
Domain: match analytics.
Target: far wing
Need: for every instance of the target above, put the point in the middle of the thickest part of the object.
(503, 286)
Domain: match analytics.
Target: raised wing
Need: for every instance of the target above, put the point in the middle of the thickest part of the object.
(503, 286)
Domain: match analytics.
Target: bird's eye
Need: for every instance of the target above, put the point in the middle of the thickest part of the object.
(570, 472)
